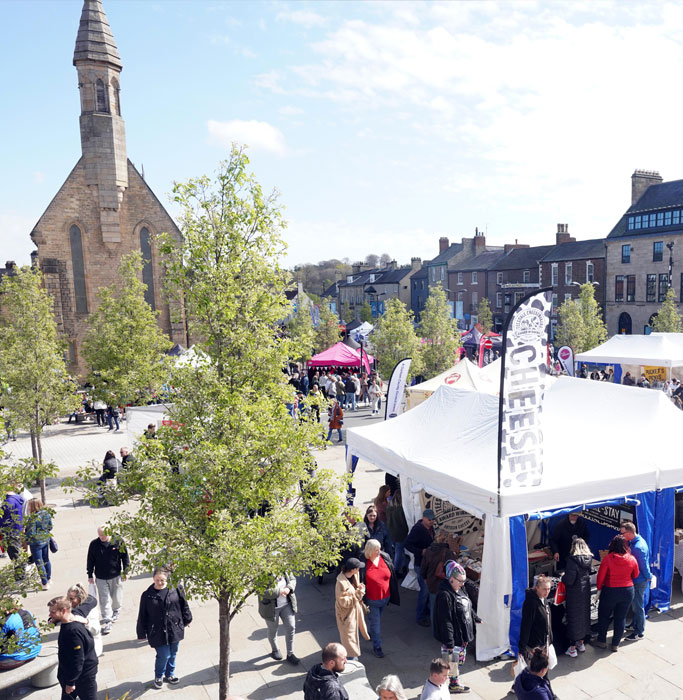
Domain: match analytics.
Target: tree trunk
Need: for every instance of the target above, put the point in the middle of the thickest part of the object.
(224, 646)
(34, 449)
(43, 495)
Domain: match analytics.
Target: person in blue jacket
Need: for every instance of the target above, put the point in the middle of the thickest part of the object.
(641, 583)
(531, 683)
(19, 637)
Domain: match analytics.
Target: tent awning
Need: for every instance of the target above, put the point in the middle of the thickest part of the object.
(656, 349)
(340, 355)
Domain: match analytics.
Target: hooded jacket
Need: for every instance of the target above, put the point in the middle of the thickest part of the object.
(578, 595)
(321, 684)
(454, 617)
(163, 621)
(529, 686)
(536, 627)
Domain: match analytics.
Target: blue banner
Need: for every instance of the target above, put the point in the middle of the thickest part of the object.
(661, 555)
(520, 577)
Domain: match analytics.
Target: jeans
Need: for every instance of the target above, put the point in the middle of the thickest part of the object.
(376, 607)
(422, 611)
(164, 664)
(400, 562)
(113, 418)
(41, 558)
(86, 689)
(351, 400)
(613, 601)
(286, 614)
(339, 432)
(638, 605)
(110, 594)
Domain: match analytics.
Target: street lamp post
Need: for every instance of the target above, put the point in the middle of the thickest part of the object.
(670, 246)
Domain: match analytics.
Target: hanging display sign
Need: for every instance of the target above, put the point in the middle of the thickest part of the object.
(655, 374)
(397, 389)
(450, 518)
(566, 357)
(610, 516)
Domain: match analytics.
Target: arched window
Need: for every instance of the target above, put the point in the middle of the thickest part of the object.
(101, 97)
(117, 96)
(147, 270)
(76, 240)
(624, 324)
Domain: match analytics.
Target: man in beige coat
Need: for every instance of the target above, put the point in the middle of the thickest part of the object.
(349, 609)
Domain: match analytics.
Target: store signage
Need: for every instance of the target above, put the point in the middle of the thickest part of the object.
(450, 518)
(523, 384)
(566, 356)
(610, 516)
(655, 374)
(397, 389)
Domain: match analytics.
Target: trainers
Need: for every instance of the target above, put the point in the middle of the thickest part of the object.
(158, 683)
(634, 637)
(581, 647)
(455, 688)
(378, 653)
(106, 629)
(600, 645)
(293, 659)
(115, 616)
(614, 647)
(173, 680)
(571, 651)
(276, 654)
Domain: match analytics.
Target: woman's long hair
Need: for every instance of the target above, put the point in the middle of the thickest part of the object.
(618, 545)
(579, 547)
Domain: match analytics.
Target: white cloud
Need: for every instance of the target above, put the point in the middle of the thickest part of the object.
(305, 18)
(14, 237)
(290, 111)
(257, 135)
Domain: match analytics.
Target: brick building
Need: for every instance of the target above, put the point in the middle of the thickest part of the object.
(644, 250)
(104, 209)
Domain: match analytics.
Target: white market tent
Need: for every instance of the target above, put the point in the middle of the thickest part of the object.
(656, 349)
(599, 439)
(463, 375)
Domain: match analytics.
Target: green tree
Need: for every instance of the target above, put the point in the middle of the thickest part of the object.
(668, 320)
(327, 332)
(345, 312)
(484, 315)
(39, 390)
(580, 324)
(124, 346)
(302, 333)
(394, 339)
(595, 328)
(365, 313)
(228, 492)
(441, 338)
(570, 328)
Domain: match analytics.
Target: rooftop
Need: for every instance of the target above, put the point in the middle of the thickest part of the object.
(577, 250)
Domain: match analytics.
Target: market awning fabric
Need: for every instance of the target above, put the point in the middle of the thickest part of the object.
(600, 441)
(656, 349)
(339, 355)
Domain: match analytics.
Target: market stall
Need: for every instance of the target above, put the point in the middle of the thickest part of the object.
(598, 452)
(341, 355)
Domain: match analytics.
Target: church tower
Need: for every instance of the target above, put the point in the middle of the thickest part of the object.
(104, 209)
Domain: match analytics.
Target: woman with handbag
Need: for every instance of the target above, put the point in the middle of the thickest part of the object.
(577, 583)
(336, 420)
(349, 608)
(37, 529)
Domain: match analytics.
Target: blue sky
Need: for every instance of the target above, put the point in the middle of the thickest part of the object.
(385, 125)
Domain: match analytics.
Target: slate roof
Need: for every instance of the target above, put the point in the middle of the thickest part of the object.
(421, 273)
(522, 258)
(577, 250)
(331, 291)
(665, 195)
(484, 261)
(453, 249)
(392, 276)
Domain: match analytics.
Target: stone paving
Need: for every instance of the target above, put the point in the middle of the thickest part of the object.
(651, 668)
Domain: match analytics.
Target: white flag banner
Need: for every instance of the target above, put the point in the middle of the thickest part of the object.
(523, 382)
(566, 357)
(397, 389)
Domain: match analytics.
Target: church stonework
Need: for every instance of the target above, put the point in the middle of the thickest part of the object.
(104, 209)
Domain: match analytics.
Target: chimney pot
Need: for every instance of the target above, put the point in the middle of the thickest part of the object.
(443, 244)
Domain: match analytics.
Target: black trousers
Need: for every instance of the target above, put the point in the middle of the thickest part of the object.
(86, 689)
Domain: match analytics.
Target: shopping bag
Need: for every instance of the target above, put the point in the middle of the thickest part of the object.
(519, 666)
(560, 593)
(552, 657)
(410, 581)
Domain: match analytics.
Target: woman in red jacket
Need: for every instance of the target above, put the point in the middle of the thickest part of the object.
(615, 583)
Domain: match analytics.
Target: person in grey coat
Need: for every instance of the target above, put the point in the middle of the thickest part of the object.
(279, 603)
(578, 595)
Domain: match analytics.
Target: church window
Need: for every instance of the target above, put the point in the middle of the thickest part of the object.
(76, 240)
(117, 96)
(101, 97)
(147, 270)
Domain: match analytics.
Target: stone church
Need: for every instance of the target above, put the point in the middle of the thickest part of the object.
(104, 209)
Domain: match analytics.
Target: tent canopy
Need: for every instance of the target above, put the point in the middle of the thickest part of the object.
(473, 336)
(340, 355)
(600, 441)
(656, 349)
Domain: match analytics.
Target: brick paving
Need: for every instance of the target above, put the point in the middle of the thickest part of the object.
(651, 668)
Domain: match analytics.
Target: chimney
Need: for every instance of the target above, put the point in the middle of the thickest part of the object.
(479, 241)
(10, 265)
(443, 244)
(356, 268)
(415, 264)
(562, 235)
(391, 265)
(641, 180)
(512, 246)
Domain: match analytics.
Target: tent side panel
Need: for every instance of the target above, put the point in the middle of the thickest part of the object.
(645, 515)
(520, 577)
(662, 553)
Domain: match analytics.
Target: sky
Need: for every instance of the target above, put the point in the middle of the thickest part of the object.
(383, 125)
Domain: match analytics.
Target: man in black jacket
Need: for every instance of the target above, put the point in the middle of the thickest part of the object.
(564, 532)
(417, 542)
(322, 681)
(108, 560)
(77, 670)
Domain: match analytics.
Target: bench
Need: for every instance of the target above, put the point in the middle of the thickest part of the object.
(42, 670)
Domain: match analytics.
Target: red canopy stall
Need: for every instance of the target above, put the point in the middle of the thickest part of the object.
(340, 355)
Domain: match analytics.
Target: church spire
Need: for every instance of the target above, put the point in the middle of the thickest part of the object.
(94, 41)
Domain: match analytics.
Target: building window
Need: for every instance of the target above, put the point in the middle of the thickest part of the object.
(653, 219)
(555, 303)
(422, 283)
(630, 288)
(667, 218)
(626, 253)
(461, 296)
(526, 276)
(619, 289)
(508, 302)
(475, 299)
(637, 222)
(414, 285)
(101, 97)
(147, 270)
(663, 286)
(657, 251)
(660, 218)
(567, 273)
(80, 295)
(499, 296)
(631, 223)
(499, 278)
(567, 297)
(117, 96)
(443, 272)
(475, 277)
(676, 217)
(554, 274)
(651, 288)
(590, 272)
(459, 277)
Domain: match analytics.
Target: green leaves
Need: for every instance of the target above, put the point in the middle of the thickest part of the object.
(394, 339)
(327, 332)
(440, 336)
(580, 322)
(668, 320)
